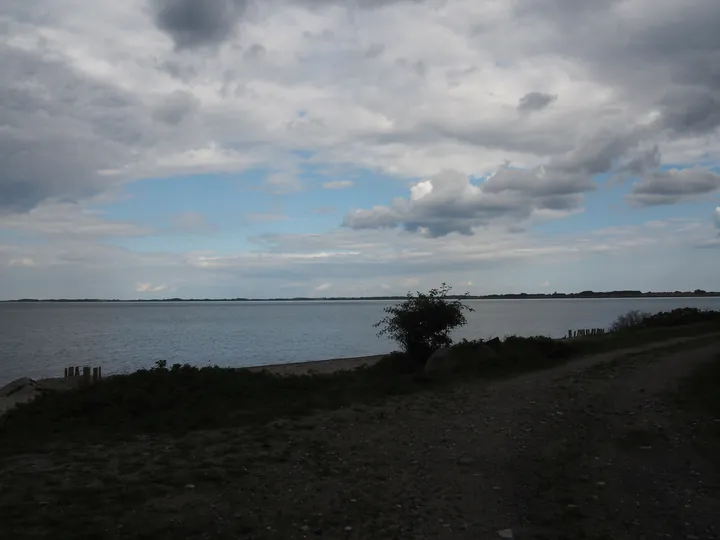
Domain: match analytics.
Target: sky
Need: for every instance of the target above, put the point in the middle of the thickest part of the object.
(233, 148)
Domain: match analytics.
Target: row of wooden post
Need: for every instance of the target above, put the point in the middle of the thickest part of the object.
(74, 371)
(585, 332)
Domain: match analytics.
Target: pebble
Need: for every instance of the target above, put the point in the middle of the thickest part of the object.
(506, 533)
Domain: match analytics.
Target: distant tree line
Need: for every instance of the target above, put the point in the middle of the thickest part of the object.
(518, 296)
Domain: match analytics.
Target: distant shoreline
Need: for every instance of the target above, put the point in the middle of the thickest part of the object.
(521, 296)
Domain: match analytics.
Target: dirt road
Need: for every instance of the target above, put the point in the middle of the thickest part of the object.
(593, 449)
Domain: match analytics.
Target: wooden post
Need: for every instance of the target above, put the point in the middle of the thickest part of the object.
(65, 373)
(99, 373)
(569, 333)
(95, 375)
(86, 374)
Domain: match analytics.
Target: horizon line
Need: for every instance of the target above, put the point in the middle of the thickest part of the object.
(586, 293)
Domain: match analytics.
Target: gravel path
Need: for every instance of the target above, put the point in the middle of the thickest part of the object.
(593, 449)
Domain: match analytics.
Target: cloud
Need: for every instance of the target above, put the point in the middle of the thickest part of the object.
(673, 185)
(48, 111)
(535, 101)
(717, 217)
(338, 184)
(450, 202)
(93, 99)
(283, 183)
(191, 223)
(195, 23)
(25, 262)
(212, 99)
(324, 210)
(177, 106)
(149, 287)
(69, 221)
(356, 262)
(265, 217)
(323, 287)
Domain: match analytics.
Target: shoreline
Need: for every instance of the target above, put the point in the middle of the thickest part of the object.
(30, 388)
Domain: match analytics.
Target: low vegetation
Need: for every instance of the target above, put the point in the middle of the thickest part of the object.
(631, 319)
(423, 322)
(699, 394)
(184, 398)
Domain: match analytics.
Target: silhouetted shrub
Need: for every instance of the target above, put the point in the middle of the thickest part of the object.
(677, 317)
(422, 322)
(631, 319)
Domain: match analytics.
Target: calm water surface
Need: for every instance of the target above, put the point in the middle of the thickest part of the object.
(39, 340)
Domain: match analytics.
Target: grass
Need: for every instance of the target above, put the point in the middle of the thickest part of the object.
(186, 398)
(699, 395)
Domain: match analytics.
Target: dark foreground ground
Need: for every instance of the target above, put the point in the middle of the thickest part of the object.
(614, 446)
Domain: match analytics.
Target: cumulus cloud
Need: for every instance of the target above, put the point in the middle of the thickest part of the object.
(673, 185)
(535, 101)
(451, 202)
(338, 184)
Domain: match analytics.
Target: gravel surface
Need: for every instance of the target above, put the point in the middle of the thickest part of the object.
(593, 449)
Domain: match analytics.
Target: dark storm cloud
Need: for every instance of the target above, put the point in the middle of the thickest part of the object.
(58, 130)
(195, 23)
(535, 101)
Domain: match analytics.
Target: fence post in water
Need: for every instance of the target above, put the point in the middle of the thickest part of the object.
(95, 375)
(86, 374)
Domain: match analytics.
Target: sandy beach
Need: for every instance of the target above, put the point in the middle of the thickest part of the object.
(320, 366)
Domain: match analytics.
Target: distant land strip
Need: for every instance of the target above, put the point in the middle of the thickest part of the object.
(698, 293)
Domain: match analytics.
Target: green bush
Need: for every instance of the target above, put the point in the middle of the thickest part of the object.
(422, 322)
(677, 317)
(631, 319)
(681, 316)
